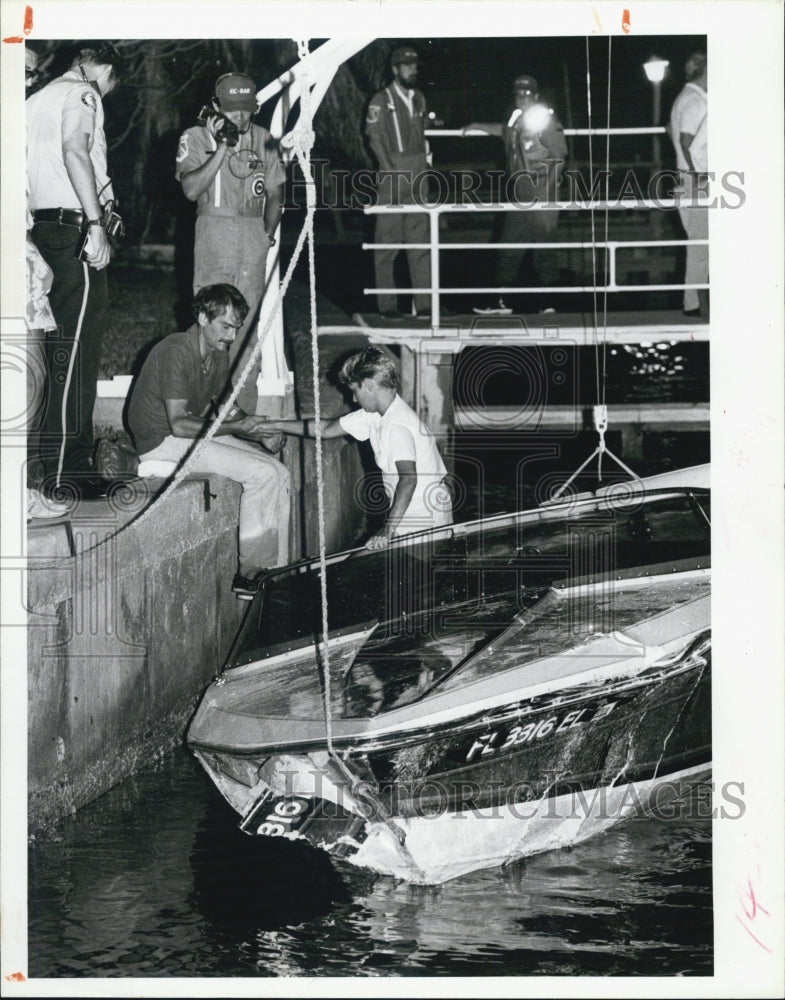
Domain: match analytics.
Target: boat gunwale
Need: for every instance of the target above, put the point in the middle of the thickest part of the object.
(355, 744)
(629, 672)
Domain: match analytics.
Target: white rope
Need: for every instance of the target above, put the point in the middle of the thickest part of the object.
(302, 139)
(603, 380)
(593, 234)
(600, 411)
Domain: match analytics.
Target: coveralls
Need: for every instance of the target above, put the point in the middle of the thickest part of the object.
(395, 128)
(231, 243)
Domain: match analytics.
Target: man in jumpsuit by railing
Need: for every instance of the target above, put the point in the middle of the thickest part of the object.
(236, 177)
(536, 150)
(395, 127)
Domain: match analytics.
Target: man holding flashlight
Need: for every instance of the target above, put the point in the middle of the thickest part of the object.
(536, 150)
(232, 169)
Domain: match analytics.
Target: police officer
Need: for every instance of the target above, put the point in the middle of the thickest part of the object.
(535, 149)
(395, 127)
(68, 189)
(234, 174)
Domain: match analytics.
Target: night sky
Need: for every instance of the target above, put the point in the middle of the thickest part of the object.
(469, 79)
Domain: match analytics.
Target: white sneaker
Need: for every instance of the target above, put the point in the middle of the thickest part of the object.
(40, 506)
(499, 309)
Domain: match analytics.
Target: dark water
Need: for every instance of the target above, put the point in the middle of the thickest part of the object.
(154, 879)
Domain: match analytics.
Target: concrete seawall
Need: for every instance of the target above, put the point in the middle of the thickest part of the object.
(126, 629)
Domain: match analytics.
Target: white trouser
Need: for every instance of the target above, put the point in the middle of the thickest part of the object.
(263, 537)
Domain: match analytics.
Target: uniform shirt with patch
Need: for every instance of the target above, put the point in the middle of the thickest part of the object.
(64, 108)
(174, 370)
(399, 435)
(395, 128)
(248, 171)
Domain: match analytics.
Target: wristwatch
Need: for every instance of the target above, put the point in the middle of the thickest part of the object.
(94, 222)
(271, 239)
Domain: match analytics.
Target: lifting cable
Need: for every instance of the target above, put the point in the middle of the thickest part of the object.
(600, 410)
(303, 139)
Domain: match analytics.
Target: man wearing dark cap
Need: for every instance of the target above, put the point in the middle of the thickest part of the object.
(232, 169)
(68, 190)
(395, 127)
(536, 149)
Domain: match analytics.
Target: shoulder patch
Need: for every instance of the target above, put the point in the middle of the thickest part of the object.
(88, 98)
(374, 110)
(182, 148)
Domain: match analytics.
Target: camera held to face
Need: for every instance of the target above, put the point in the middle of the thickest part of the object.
(225, 131)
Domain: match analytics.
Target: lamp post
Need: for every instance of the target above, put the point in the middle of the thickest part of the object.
(655, 72)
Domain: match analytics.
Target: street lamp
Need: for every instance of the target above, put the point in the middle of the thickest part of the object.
(655, 72)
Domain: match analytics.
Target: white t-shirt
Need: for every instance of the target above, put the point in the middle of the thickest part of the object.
(688, 113)
(400, 436)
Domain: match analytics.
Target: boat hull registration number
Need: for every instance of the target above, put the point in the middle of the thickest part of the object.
(519, 733)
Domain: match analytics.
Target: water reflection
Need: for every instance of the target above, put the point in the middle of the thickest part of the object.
(243, 883)
(155, 879)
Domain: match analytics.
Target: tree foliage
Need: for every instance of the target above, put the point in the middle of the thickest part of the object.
(163, 85)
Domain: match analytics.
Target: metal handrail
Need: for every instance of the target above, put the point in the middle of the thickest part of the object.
(435, 211)
(623, 204)
(459, 133)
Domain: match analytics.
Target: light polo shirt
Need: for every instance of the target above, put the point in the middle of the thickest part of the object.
(65, 107)
(400, 436)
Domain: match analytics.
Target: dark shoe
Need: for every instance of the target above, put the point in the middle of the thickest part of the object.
(94, 487)
(74, 486)
(691, 312)
(247, 587)
(390, 314)
(496, 308)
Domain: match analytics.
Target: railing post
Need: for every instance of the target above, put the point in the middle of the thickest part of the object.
(611, 249)
(433, 218)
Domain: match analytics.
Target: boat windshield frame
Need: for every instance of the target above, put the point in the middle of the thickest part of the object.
(553, 512)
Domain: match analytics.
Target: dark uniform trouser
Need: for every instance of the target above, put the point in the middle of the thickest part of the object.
(401, 227)
(78, 299)
(523, 226)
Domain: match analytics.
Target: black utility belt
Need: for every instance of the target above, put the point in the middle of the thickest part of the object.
(62, 216)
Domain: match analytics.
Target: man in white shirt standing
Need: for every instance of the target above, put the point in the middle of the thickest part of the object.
(405, 450)
(688, 130)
